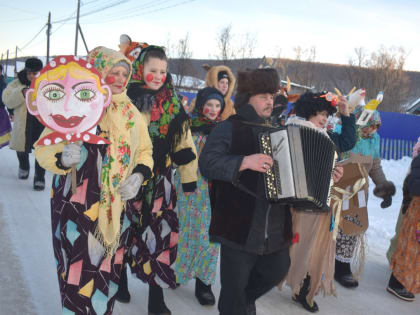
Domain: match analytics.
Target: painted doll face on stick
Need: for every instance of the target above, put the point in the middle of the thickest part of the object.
(211, 109)
(155, 73)
(68, 96)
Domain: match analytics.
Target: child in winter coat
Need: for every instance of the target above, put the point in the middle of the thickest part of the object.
(222, 79)
(197, 256)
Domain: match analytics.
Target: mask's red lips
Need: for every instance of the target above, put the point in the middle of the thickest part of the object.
(70, 122)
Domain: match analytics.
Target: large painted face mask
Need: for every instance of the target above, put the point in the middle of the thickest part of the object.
(70, 97)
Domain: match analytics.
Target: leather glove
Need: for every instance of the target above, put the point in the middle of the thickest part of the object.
(131, 186)
(385, 191)
(71, 154)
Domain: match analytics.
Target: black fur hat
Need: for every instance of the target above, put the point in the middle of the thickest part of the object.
(258, 81)
(33, 64)
(309, 104)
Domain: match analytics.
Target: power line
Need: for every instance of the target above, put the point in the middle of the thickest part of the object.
(144, 12)
(24, 46)
(94, 11)
(130, 10)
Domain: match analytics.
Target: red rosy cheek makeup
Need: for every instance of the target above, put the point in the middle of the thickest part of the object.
(149, 77)
(110, 79)
(164, 79)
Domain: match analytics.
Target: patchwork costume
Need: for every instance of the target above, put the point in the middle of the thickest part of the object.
(90, 227)
(154, 232)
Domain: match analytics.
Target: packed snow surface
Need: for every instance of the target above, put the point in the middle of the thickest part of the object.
(28, 279)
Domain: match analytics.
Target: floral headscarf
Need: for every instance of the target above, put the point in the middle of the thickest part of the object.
(199, 122)
(118, 162)
(168, 120)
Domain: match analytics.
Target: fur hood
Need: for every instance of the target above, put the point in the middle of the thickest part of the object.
(211, 78)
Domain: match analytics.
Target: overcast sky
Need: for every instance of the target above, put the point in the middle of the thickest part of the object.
(335, 28)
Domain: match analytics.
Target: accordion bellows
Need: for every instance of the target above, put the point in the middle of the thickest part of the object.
(301, 175)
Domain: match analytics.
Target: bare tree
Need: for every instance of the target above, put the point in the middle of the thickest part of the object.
(383, 71)
(225, 44)
(303, 70)
(246, 46)
(184, 64)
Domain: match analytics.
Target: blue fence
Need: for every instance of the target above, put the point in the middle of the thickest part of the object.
(399, 133)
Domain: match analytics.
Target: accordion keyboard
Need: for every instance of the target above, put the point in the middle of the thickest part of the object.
(272, 176)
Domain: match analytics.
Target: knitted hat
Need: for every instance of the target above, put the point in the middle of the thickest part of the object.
(258, 81)
(33, 65)
(222, 75)
(206, 94)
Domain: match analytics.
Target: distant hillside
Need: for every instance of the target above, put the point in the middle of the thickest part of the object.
(322, 76)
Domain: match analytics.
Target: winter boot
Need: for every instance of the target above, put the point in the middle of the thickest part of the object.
(395, 287)
(39, 183)
(123, 295)
(343, 275)
(23, 174)
(302, 297)
(157, 305)
(203, 293)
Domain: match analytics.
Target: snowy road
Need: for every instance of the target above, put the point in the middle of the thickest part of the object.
(28, 283)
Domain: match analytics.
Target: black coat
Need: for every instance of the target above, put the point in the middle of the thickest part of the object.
(239, 219)
(346, 140)
(413, 179)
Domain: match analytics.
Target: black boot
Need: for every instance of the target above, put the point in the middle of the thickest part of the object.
(123, 295)
(39, 178)
(157, 305)
(39, 184)
(343, 275)
(203, 293)
(303, 293)
(23, 174)
(395, 287)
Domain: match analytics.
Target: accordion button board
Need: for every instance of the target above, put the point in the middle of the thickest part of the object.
(303, 164)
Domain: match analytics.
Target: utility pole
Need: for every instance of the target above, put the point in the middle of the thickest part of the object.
(16, 61)
(83, 38)
(48, 37)
(77, 27)
(7, 61)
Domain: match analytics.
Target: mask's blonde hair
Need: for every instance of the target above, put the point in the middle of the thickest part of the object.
(59, 73)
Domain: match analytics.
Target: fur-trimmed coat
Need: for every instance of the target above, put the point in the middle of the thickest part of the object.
(211, 81)
(26, 128)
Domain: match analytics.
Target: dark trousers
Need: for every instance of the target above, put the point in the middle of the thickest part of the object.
(245, 277)
(23, 158)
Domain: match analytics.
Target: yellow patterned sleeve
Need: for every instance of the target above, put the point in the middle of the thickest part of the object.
(188, 172)
(46, 155)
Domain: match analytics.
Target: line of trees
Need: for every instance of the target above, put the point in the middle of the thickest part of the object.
(381, 70)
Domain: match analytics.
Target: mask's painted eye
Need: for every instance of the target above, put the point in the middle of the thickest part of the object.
(54, 95)
(85, 95)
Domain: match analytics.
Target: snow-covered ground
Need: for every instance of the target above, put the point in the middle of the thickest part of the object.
(28, 283)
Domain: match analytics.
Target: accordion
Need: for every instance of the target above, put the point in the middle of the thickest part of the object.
(303, 164)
